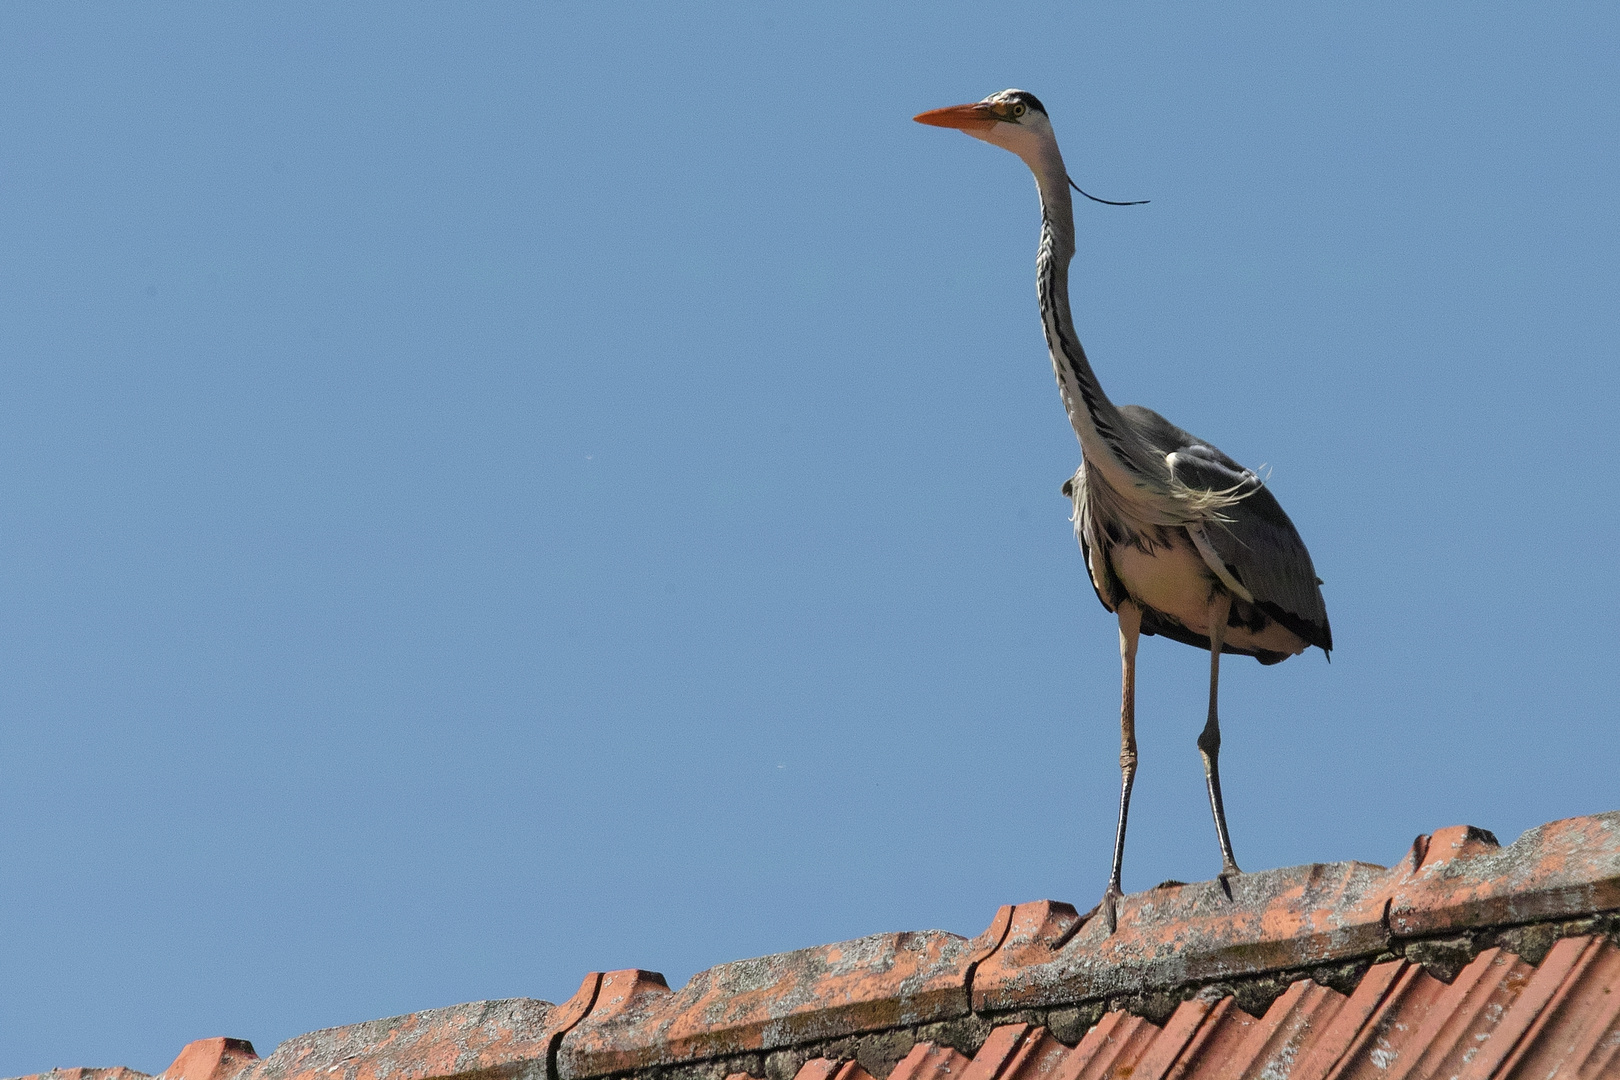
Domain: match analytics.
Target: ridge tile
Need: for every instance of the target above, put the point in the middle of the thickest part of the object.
(1175, 934)
(1559, 870)
(501, 1040)
(871, 983)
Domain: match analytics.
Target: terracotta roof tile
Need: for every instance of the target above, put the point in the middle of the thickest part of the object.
(490, 1037)
(1275, 919)
(829, 1069)
(211, 1059)
(1298, 916)
(883, 981)
(1565, 868)
(1464, 959)
(929, 1062)
(1357, 1020)
(117, 1072)
(1116, 1042)
(1159, 1058)
(1219, 1038)
(991, 1060)
(1576, 1030)
(1499, 1018)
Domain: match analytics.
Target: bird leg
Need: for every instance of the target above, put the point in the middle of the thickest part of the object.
(1209, 741)
(1130, 628)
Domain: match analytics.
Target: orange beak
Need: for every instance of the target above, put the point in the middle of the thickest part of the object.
(969, 118)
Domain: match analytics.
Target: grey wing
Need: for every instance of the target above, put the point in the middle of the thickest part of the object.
(1264, 552)
(1259, 544)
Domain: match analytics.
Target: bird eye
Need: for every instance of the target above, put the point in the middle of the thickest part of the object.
(1018, 108)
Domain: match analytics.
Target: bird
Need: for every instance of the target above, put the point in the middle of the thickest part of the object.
(1178, 539)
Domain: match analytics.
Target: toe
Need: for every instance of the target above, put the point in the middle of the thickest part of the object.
(1109, 910)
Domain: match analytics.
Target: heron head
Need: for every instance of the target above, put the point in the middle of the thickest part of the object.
(1013, 120)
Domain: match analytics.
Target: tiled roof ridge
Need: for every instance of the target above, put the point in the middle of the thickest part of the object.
(1455, 897)
(1498, 1016)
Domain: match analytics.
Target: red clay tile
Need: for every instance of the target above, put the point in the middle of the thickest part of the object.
(1274, 1041)
(830, 1069)
(1216, 1039)
(1559, 870)
(1352, 1024)
(1041, 1057)
(1387, 1033)
(1159, 1058)
(817, 1069)
(117, 1072)
(1044, 953)
(498, 1039)
(1112, 1046)
(1435, 1029)
(211, 1059)
(564, 1017)
(631, 993)
(873, 983)
(985, 945)
(1276, 919)
(929, 1062)
(1500, 1017)
(991, 1060)
(1454, 842)
(1036, 930)
(1577, 1030)
(1543, 983)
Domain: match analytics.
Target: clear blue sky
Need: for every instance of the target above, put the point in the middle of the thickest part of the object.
(492, 492)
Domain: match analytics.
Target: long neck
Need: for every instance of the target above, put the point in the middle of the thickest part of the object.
(1107, 440)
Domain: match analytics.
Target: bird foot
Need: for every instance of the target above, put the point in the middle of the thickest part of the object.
(1108, 909)
(1228, 872)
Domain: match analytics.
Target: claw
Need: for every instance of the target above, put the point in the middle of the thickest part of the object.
(1225, 877)
(1108, 908)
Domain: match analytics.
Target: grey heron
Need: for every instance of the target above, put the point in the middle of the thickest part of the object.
(1178, 538)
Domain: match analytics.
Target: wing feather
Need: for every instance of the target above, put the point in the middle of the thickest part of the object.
(1256, 540)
